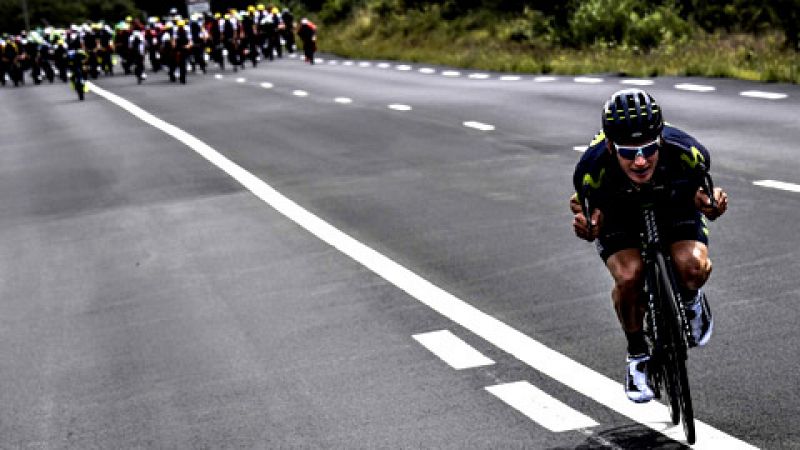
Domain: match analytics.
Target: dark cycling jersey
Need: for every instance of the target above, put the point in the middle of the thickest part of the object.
(681, 164)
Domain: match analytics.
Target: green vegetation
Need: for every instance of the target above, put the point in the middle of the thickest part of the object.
(739, 39)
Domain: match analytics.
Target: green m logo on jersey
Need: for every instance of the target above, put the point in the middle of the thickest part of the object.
(588, 180)
(695, 159)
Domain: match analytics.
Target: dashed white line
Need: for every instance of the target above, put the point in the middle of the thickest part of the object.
(403, 67)
(300, 93)
(399, 107)
(510, 78)
(763, 94)
(544, 79)
(427, 70)
(549, 362)
(580, 148)
(333, 62)
(588, 80)
(451, 73)
(452, 350)
(267, 85)
(319, 60)
(219, 76)
(364, 64)
(636, 82)
(348, 63)
(384, 65)
(695, 87)
(479, 126)
(540, 407)
(241, 80)
(791, 187)
(343, 100)
(478, 76)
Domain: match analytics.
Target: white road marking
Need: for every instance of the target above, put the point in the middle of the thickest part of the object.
(398, 107)
(333, 62)
(343, 100)
(267, 85)
(510, 78)
(544, 79)
(580, 148)
(364, 64)
(587, 80)
(427, 70)
(549, 362)
(540, 407)
(348, 63)
(478, 76)
(791, 187)
(319, 60)
(636, 82)
(763, 94)
(695, 87)
(219, 76)
(240, 80)
(300, 93)
(403, 67)
(384, 65)
(451, 73)
(452, 350)
(479, 126)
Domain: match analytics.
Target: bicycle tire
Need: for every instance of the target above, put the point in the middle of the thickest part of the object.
(680, 393)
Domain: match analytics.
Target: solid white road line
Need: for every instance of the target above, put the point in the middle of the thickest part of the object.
(791, 187)
(479, 126)
(452, 350)
(763, 94)
(540, 407)
(695, 87)
(399, 107)
(526, 349)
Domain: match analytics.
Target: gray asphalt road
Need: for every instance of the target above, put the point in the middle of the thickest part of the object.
(150, 300)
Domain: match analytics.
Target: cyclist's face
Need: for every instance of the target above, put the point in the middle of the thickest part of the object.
(641, 168)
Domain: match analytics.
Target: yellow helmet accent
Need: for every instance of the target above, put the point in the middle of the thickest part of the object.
(275, 10)
(217, 15)
(181, 23)
(260, 7)
(128, 19)
(251, 8)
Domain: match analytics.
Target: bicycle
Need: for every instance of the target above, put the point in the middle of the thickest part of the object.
(666, 326)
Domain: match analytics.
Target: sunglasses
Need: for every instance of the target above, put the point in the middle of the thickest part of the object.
(631, 152)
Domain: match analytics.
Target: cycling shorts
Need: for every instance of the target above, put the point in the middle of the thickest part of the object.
(621, 228)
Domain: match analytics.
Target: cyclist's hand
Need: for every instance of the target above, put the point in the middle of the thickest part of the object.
(703, 203)
(582, 227)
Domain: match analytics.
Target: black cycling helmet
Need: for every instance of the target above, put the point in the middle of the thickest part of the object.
(632, 116)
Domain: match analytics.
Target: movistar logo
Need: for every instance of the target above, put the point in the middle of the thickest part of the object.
(588, 180)
(695, 159)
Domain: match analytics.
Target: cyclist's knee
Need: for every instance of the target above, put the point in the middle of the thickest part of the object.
(627, 269)
(692, 263)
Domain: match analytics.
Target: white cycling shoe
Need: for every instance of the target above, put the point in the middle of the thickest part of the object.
(637, 387)
(700, 320)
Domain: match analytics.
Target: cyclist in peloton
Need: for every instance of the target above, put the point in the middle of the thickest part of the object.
(637, 152)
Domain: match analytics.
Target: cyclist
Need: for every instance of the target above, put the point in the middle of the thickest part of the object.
(635, 153)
